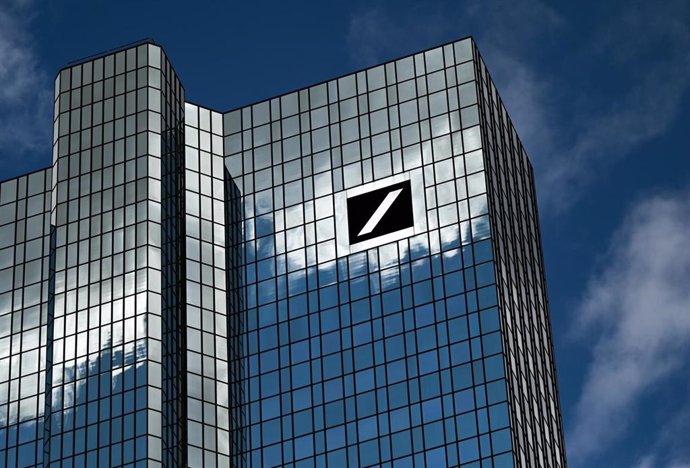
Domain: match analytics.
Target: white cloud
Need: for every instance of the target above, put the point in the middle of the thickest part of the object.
(638, 307)
(25, 93)
(574, 134)
(649, 41)
(526, 96)
(646, 462)
(377, 34)
(374, 35)
(670, 448)
(369, 34)
(651, 461)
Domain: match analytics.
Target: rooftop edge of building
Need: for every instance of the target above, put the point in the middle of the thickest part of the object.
(151, 41)
(469, 37)
(112, 51)
(26, 174)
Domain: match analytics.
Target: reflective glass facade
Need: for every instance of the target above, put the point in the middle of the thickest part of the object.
(187, 287)
(25, 234)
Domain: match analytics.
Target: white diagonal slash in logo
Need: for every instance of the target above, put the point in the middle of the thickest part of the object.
(380, 211)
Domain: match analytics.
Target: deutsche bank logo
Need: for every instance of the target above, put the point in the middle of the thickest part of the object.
(380, 212)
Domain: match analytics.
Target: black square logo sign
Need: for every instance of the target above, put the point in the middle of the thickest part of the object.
(379, 212)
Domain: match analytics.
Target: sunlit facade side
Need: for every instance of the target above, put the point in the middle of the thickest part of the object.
(113, 392)
(195, 288)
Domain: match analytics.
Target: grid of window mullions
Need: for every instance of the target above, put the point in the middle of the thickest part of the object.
(24, 245)
(129, 196)
(292, 236)
(533, 349)
(395, 126)
(246, 133)
(106, 123)
(518, 201)
(498, 227)
(203, 186)
(326, 168)
(307, 238)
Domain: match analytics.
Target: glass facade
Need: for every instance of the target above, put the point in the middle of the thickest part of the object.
(187, 287)
(114, 381)
(25, 238)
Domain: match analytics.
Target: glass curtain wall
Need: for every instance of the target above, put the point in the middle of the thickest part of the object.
(389, 355)
(25, 236)
(112, 391)
(535, 414)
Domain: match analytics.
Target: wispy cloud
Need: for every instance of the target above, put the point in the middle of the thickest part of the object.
(651, 461)
(610, 134)
(669, 447)
(573, 134)
(371, 34)
(645, 49)
(25, 94)
(375, 35)
(378, 34)
(638, 308)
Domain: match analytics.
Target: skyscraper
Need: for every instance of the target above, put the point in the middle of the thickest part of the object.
(346, 275)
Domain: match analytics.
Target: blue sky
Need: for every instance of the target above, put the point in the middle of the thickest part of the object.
(599, 93)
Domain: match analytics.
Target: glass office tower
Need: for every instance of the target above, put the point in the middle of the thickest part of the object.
(346, 275)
